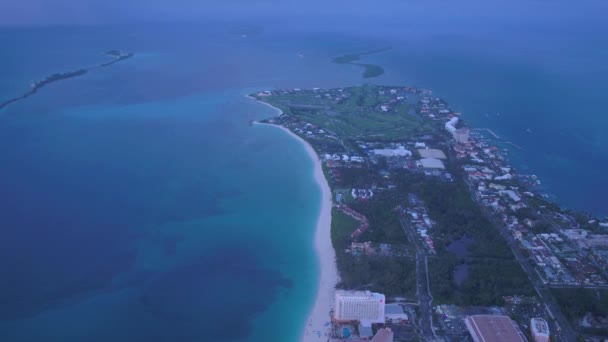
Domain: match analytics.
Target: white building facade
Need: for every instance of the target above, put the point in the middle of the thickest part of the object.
(539, 329)
(362, 306)
(393, 152)
(460, 135)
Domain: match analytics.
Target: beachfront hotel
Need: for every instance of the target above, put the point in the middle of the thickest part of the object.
(363, 306)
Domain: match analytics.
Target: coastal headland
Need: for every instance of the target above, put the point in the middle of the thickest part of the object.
(116, 55)
(426, 210)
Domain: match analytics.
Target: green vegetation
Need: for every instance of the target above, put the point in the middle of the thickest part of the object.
(358, 177)
(346, 59)
(393, 276)
(541, 228)
(493, 271)
(538, 203)
(456, 214)
(388, 275)
(384, 226)
(354, 115)
(352, 57)
(576, 303)
(441, 278)
(342, 226)
(491, 279)
(369, 70)
(118, 56)
(114, 53)
(48, 80)
(487, 281)
(373, 113)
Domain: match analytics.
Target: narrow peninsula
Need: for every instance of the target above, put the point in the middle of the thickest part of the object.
(116, 56)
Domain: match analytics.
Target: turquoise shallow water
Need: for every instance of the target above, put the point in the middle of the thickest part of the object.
(138, 204)
(151, 222)
(134, 210)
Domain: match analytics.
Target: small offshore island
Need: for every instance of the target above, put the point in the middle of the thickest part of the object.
(116, 55)
(369, 70)
(428, 214)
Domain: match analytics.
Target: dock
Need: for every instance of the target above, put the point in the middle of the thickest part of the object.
(489, 131)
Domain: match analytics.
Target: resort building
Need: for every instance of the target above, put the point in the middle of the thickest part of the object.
(431, 163)
(493, 328)
(362, 193)
(393, 152)
(460, 135)
(363, 306)
(450, 126)
(539, 329)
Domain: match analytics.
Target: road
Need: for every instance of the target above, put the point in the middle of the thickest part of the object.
(423, 289)
(560, 327)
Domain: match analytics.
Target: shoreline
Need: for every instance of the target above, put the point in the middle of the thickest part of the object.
(316, 328)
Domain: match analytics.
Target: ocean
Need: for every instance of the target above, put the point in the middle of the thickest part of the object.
(139, 204)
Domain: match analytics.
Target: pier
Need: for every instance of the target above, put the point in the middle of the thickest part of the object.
(489, 131)
(514, 145)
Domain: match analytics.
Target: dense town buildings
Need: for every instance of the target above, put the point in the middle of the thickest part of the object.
(555, 248)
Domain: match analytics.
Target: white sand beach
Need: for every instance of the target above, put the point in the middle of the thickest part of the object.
(317, 324)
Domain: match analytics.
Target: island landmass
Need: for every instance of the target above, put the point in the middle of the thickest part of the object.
(430, 213)
(116, 55)
(369, 70)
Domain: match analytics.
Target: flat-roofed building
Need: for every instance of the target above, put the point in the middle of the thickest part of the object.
(393, 152)
(363, 306)
(493, 328)
(394, 313)
(432, 163)
(432, 153)
(539, 329)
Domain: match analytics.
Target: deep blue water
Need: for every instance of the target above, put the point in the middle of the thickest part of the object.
(138, 204)
(542, 90)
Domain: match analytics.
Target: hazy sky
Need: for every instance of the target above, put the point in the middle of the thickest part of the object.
(44, 12)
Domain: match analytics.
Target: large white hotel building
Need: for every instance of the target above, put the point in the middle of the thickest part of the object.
(363, 306)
